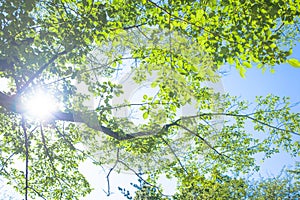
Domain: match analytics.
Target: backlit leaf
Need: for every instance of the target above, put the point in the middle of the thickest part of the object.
(294, 62)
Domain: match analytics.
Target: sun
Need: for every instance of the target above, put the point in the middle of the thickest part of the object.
(40, 105)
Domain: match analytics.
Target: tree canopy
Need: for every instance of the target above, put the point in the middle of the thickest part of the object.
(72, 50)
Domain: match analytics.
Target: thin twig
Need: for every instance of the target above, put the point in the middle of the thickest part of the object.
(240, 115)
(6, 160)
(135, 104)
(181, 19)
(108, 174)
(39, 72)
(47, 150)
(130, 27)
(173, 152)
(141, 178)
(60, 180)
(204, 140)
(78, 150)
(137, 174)
(64, 138)
(143, 33)
(279, 27)
(26, 157)
(89, 70)
(39, 194)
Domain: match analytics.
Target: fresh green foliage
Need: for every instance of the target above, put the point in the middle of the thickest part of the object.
(218, 186)
(294, 62)
(179, 45)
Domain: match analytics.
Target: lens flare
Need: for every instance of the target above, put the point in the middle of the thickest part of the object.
(40, 105)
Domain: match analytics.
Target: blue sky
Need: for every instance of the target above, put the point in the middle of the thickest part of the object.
(284, 82)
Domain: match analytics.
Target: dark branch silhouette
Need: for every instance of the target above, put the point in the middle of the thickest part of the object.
(39, 72)
(11, 104)
(110, 170)
(26, 157)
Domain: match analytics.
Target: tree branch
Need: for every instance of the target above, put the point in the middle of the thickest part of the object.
(204, 140)
(10, 103)
(39, 194)
(26, 157)
(241, 115)
(39, 72)
(91, 119)
(3, 164)
(141, 178)
(108, 174)
(47, 150)
(173, 152)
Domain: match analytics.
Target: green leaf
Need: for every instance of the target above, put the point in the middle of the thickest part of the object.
(145, 115)
(294, 62)
(230, 60)
(241, 69)
(153, 84)
(273, 45)
(272, 71)
(247, 64)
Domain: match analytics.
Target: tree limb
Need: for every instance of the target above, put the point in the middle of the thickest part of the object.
(27, 158)
(204, 140)
(174, 153)
(39, 72)
(248, 116)
(108, 174)
(11, 103)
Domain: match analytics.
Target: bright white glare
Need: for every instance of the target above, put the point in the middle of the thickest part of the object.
(41, 105)
(4, 84)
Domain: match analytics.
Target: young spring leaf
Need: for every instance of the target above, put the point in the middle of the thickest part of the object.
(294, 62)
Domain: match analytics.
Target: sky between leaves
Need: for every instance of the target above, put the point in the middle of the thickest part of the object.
(284, 82)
